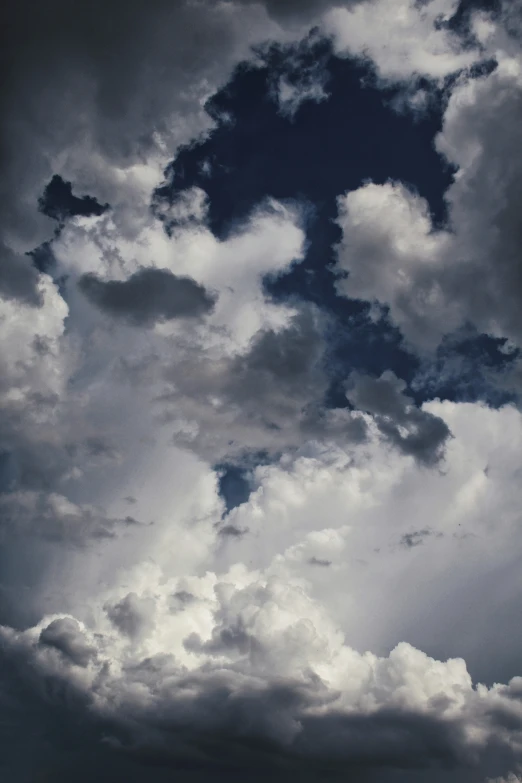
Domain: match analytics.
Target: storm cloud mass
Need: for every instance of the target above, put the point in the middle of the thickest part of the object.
(260, 421)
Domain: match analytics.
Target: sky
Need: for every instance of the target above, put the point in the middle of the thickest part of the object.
(260, 391)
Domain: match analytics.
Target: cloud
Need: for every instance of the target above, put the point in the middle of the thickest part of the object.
(106, 106)
(65, 636)
(412, 430)
(339, 621)
(426, 275)
(393, 256)
(256, 654)
(148, 296)
(132, 615)
(403, 41)
(18, 277)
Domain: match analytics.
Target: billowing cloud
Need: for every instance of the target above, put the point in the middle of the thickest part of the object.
(343, 619)
(266, 653)
(413, 431)
(404, 40)
(428, 276)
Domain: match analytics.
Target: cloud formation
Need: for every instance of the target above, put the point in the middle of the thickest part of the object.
(413, 431)
(262, 654)
(342, 619)
(427, 275)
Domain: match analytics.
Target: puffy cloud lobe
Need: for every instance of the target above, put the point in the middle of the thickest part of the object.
(65, 636)
(404, 40)
(427, 276)
(478, 137)
(131, 615)
(262, 400)
(148, 296)
(414, 431)
(393, 256)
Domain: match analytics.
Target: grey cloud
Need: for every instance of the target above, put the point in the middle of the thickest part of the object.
(132, 615)
(289, 356)
(437, 280)
(231, 531)
(227, 733)
(38, 452)
(225, 641)
(485, 207)
(148, 296)
(180, 600)
(66, 636)
(415, 538)
(267, 396)
(102, 91)
(52, 517)
(107, 92)
(18, 277)
(317, 561)
(413, 431)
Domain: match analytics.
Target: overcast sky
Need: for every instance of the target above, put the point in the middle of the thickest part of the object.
(260, 386)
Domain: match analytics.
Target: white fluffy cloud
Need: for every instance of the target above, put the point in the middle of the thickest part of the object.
(403, 40)
(393, 257)
(428, 277)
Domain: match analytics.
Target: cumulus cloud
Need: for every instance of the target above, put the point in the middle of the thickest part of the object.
(65, 635)
(404, 40)
(266, 652)
(393, 256)
(427, 277)
(105, 106)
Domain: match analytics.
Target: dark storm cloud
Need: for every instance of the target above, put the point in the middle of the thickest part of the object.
(66, 636)
(18, 277)
(413, 431)
(148, 296)
(216, 731)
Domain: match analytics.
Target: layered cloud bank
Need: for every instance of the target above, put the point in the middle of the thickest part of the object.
(356, 616)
